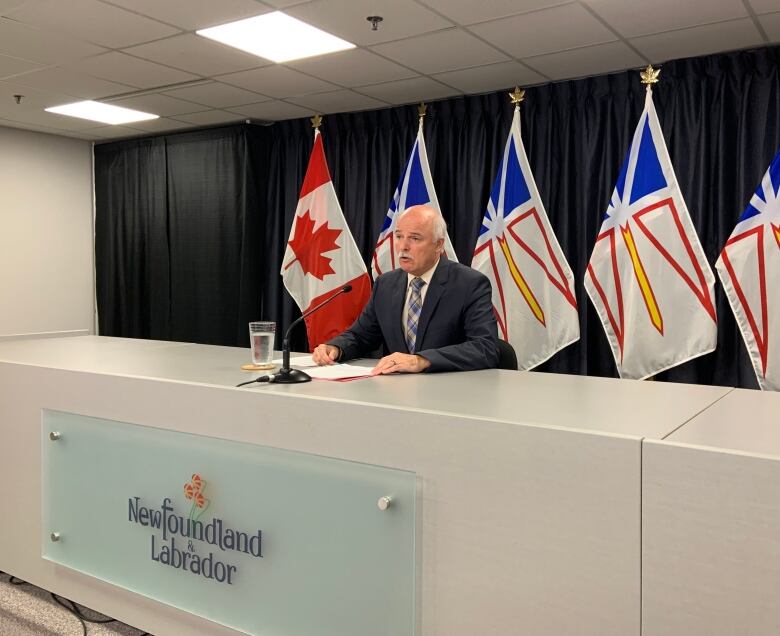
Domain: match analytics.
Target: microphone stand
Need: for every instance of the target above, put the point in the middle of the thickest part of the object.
(286, 375)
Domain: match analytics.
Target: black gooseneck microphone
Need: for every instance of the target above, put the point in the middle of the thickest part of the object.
(286, 375)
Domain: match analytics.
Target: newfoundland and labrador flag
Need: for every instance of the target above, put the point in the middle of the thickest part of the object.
(414, 188)
(648, 277)
(533, 286)
(322, 256)
(749, 269)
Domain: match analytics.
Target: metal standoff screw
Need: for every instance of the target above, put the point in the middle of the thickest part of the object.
(55, 435)
(55, 536)
(383, 503)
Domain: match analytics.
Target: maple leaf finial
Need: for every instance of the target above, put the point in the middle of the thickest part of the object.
(517, 95)
(650, 75)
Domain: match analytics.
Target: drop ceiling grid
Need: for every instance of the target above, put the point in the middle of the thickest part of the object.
(110, 48)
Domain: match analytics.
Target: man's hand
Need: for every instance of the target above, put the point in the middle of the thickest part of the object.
(325, 354)
(401, 363)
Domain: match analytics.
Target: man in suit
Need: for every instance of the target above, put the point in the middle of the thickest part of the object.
(430, 314)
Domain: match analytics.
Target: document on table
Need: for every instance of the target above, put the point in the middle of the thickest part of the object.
(299, 362)
(339, 372)
(328, 372)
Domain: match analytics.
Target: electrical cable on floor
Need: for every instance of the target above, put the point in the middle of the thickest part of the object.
(72, 607)
(61, 602)
(13, 580)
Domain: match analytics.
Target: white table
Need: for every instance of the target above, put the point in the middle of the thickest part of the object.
(711, 511)
(531, 482)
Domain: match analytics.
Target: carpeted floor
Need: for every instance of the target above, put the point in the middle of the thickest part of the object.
(26, 610)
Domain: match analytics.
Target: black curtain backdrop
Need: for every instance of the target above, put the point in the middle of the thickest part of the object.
(191, 228)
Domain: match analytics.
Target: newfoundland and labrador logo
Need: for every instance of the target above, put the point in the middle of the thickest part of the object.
(165, 550)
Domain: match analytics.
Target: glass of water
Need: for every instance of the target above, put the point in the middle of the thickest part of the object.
(261, 340)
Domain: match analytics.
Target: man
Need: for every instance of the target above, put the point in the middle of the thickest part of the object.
(431, 314)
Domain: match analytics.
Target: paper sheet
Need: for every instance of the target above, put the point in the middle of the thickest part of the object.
(299, 362)
(339, 372)
(329, 372)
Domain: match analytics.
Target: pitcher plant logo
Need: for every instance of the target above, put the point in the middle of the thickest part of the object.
(167, 526)
(194, 491)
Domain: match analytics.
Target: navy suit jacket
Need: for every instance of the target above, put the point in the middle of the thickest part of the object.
(457, 327)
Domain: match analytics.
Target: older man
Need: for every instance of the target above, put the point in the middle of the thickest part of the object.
(431, 314)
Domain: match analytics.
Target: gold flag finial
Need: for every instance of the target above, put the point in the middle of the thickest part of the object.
(649, 75)
(517, 95)
(421, 110)
(316, 122)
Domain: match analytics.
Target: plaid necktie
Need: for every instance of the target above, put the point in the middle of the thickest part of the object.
(413, 308)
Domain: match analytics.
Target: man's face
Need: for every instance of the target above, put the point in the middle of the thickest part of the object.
(414, 244)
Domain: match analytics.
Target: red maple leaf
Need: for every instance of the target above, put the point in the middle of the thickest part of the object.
(309, 245)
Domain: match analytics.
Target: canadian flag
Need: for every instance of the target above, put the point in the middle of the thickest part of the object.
(322, 256)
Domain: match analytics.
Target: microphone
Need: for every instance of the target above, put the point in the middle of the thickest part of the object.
(286, 375)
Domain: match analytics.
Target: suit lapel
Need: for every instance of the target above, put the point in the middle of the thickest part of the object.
(435, 290)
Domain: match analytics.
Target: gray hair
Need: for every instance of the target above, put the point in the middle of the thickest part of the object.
(439, 224)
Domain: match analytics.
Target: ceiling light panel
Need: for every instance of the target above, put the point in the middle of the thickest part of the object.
(276, 37)
(104, 113)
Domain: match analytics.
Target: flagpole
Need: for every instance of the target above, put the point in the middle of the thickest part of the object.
(649, 77)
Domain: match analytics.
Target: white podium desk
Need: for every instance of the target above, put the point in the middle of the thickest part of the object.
(711, 512)
(530, 482)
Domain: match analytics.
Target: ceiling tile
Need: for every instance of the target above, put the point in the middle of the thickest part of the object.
(10, 66)
(34, 100)
(441, 51)
(194, 14)
(216, 95)
(113, 132)
(483, 79)
(69, 83)
(93, 21)
(723, 36)
(641, 18)
(130, 70)
(277, 81)
(274, 111)
(51, 120)
(45, 47)
(158, 105)
(469, 11)
(8, 123)
(545, 31)
(764, 6)
(281, 4)
(338, 102)
(353, 68)
(208, 117)
(7, 5)
(592, 60)
(195, 54)
(771, 24)
(407, 91)
(159, 125)
(347, 19)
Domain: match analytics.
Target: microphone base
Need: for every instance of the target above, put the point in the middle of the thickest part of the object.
(291, 376)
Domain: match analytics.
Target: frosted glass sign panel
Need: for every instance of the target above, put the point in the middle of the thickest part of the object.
(262, 540)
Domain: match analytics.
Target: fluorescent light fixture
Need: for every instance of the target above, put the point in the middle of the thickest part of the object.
(105, 113)
(276, 37)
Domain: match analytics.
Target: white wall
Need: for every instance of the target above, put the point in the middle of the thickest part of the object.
(46, 236)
